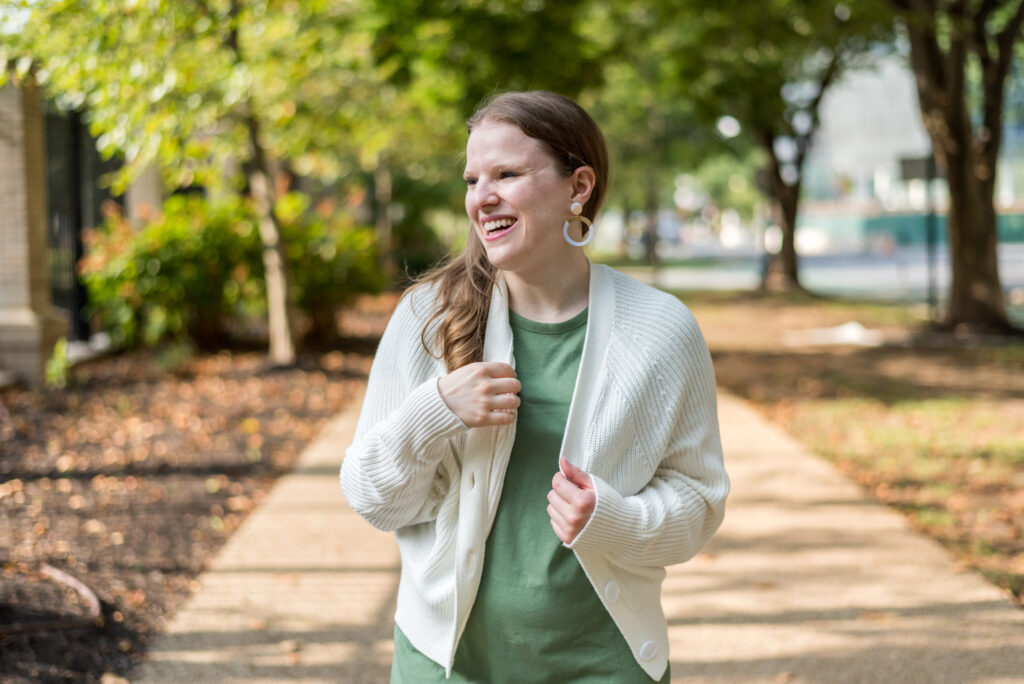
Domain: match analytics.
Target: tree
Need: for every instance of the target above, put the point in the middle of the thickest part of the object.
(489, 46)
(201, 86)
(651, 128)
(769, 66)
(948, 40)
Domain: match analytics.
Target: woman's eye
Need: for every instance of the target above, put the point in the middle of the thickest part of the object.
(470, 181)
(508, 174)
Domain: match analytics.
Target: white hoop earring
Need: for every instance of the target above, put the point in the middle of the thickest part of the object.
(577, 210)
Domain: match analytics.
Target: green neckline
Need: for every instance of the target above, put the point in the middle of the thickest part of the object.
(522, 323)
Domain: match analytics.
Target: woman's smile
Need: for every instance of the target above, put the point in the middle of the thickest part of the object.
(498, 227)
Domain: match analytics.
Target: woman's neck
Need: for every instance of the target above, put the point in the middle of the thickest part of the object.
(552, 296)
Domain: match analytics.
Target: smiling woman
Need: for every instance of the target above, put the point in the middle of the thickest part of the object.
(520, 372)
(515, 193)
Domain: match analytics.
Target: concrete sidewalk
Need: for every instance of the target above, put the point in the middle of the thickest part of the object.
(807, 581)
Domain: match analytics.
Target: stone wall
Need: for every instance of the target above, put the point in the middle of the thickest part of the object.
(29, 324)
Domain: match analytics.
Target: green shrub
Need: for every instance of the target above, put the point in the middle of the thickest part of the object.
(58, 366)
(198, 267)
(331, 262)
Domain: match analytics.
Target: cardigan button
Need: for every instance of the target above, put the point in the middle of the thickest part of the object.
(611, 592)
(648, 650)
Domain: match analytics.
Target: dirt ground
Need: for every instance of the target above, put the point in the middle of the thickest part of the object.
(133, 476)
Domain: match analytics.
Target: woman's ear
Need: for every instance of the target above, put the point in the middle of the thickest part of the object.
(583, 182)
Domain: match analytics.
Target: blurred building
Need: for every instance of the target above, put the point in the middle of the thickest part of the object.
(855, 197)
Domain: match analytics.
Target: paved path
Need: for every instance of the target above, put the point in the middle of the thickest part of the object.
(807, 581)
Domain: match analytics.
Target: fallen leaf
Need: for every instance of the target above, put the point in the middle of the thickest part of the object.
(94, 526)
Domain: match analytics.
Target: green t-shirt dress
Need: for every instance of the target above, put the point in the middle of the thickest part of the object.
(536, 617)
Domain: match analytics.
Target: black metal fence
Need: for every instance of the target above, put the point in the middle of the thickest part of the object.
(73, 175)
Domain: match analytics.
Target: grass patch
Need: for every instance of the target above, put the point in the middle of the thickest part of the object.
(616, 261)
(927, 424)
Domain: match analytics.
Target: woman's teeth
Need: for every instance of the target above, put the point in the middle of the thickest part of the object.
(492, 226)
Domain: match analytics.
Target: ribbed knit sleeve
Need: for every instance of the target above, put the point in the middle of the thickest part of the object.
(394, 472)
(674, 411)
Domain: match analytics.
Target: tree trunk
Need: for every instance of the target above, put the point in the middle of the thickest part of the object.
(976, 294)
(382, 192)
(275, 258)
(651, 215)
(624, 237)
(275, 255)
(967, 156)
(782, 273)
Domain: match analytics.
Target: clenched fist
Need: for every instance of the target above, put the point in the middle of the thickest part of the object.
(571, 501)
(482, 393)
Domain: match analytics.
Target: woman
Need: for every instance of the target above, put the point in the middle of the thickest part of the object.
(539, 432)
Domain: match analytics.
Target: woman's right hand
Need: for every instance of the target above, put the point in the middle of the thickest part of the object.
(481, 393)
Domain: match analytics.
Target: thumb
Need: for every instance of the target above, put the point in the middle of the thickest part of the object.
(573, 474)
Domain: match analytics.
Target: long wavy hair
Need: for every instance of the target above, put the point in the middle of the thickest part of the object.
(465, 281)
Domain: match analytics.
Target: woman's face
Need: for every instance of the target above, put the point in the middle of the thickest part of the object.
(516, 198)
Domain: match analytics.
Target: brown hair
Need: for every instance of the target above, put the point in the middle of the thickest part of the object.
(465, 281)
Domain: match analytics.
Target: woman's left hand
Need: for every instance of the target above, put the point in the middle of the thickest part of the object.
(571, 501)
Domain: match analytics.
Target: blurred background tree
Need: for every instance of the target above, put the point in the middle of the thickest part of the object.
(230, 96)
(769, 67)
(650, 126)
(360, 106)
(961, 53)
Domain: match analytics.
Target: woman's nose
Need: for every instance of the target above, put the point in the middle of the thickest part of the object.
(486, 194)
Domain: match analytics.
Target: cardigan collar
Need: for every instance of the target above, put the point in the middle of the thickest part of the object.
(600, 317)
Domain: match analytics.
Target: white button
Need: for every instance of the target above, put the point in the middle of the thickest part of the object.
(611, 592)
(648, 650)
(472, 481)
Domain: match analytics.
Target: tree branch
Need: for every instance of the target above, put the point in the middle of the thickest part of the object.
(926, 57)
(981, 33)
(1007, 37)
(804, 141)
(994, 74)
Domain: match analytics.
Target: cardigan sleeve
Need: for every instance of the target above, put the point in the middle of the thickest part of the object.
(396, 471)
(671, 518)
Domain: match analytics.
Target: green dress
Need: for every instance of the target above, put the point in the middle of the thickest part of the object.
(536, 617)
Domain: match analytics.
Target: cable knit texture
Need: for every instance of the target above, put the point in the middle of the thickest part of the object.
(643, 424)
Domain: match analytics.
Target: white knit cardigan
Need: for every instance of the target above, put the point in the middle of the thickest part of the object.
(643, 423)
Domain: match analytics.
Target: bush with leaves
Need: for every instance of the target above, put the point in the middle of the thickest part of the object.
(330, 259)
(196, 268)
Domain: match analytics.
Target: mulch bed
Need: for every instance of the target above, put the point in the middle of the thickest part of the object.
(132, 477)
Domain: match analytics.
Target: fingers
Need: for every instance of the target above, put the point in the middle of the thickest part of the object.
(497, 418)
(505, 386)
(496, 369)
(566, 491)
(504, 402)
(568, 518)
(562, 533)
(558, 524)
(481, 394)
(578, 477)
